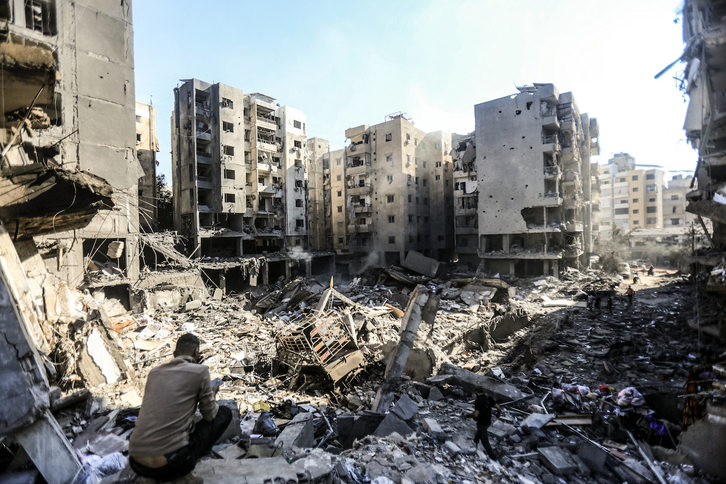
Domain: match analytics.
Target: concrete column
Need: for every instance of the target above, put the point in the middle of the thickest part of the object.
(240, 247)
(223, 281)
(505, 243)
(288, 269)
(556, 269)
(265, 274)
(546, 267)
(308, 268)
(512, 264)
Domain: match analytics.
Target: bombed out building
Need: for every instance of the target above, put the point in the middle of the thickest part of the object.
(387, 193)
(533, 182)
(240, 180)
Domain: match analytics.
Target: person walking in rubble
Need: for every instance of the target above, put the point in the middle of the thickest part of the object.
(629, 292)
(166, 444)
(483, 415)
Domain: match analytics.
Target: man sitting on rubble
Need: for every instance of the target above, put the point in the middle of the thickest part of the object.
(483, 415)
(166, 444)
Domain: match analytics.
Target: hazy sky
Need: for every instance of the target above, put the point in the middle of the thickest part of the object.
(350, 63)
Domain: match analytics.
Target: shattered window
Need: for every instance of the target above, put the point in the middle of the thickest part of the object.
(392, 239)
(228, 127)
(389, 136)
(227, 103)
(229, 174)
(389, 158)
(229, 197)
(298, 202)
(299, 223)
(650, 176)
(297, 124)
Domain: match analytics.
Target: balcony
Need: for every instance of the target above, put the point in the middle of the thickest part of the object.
(568, 126)
(363, 169)
(574, 227)
(465, 211)
(266, 145)
(267, 167)
(550, 200)
(359, 228)
(206, 184)
(204, 135)
(570, 153)
(204, 159)
(359, 190)
(359, 149)
(267, 105)
(552, 172)
(467, 230)
(551, 122)
(267, 123)
(203, 109)
(368, 208)
(571, 203)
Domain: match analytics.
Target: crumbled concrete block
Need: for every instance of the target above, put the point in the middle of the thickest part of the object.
(433, 428)
(435, 394)
(191, 305)
(218, 294)
(593, 456)
(557, 460)
(537, 420)
(405, 408)
(315, 466)
(452, 448)
(233, 430)
(300, 432)
(393, 423)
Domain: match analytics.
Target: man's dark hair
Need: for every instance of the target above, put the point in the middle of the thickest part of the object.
(186, 344)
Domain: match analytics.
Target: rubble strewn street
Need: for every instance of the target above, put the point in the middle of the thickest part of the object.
(575, 383)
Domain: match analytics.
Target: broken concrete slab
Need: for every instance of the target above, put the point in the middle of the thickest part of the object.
(537, 420)
(558, 460)
(233, 429)
(502, 392)
(427, 266)
(432, 427)
(300, 432)
(452, 448)
(192, 305)
(247, 471)
(393, 423)
(435, 394)
(405, 408)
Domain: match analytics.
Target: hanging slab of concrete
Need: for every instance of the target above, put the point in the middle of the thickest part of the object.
(558, 460)
(427, 266)
(300, 432)
(502, 392)
(393, 423)
(405, 408)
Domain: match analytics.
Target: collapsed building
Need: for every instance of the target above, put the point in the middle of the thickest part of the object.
(534, 182)
(704, 33)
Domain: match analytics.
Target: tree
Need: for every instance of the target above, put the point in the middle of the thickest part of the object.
(165, 204)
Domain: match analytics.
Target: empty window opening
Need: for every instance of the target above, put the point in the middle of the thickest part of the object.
(297, 124)
(229, 150)
(229, 197)
(298, 202)
(229, 174)
(228, 127)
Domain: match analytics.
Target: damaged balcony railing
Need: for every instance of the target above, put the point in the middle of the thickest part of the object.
(322, 342)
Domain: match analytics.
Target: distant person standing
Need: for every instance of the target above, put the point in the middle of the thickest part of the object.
(630, 293)
(483, 415)
(651, 271)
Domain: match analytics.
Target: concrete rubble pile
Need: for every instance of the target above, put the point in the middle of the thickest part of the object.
(368, 381)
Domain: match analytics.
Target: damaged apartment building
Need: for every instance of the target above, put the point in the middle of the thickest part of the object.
(240, 177)
(534, 183)
(388, 193)
(68, 128)
(704, 36)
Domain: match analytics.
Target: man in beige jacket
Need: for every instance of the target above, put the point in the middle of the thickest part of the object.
(166, 444)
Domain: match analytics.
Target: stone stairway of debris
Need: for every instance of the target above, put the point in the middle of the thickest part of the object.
(601, 395)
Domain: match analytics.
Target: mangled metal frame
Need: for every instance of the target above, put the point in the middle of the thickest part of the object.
(323, 341)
